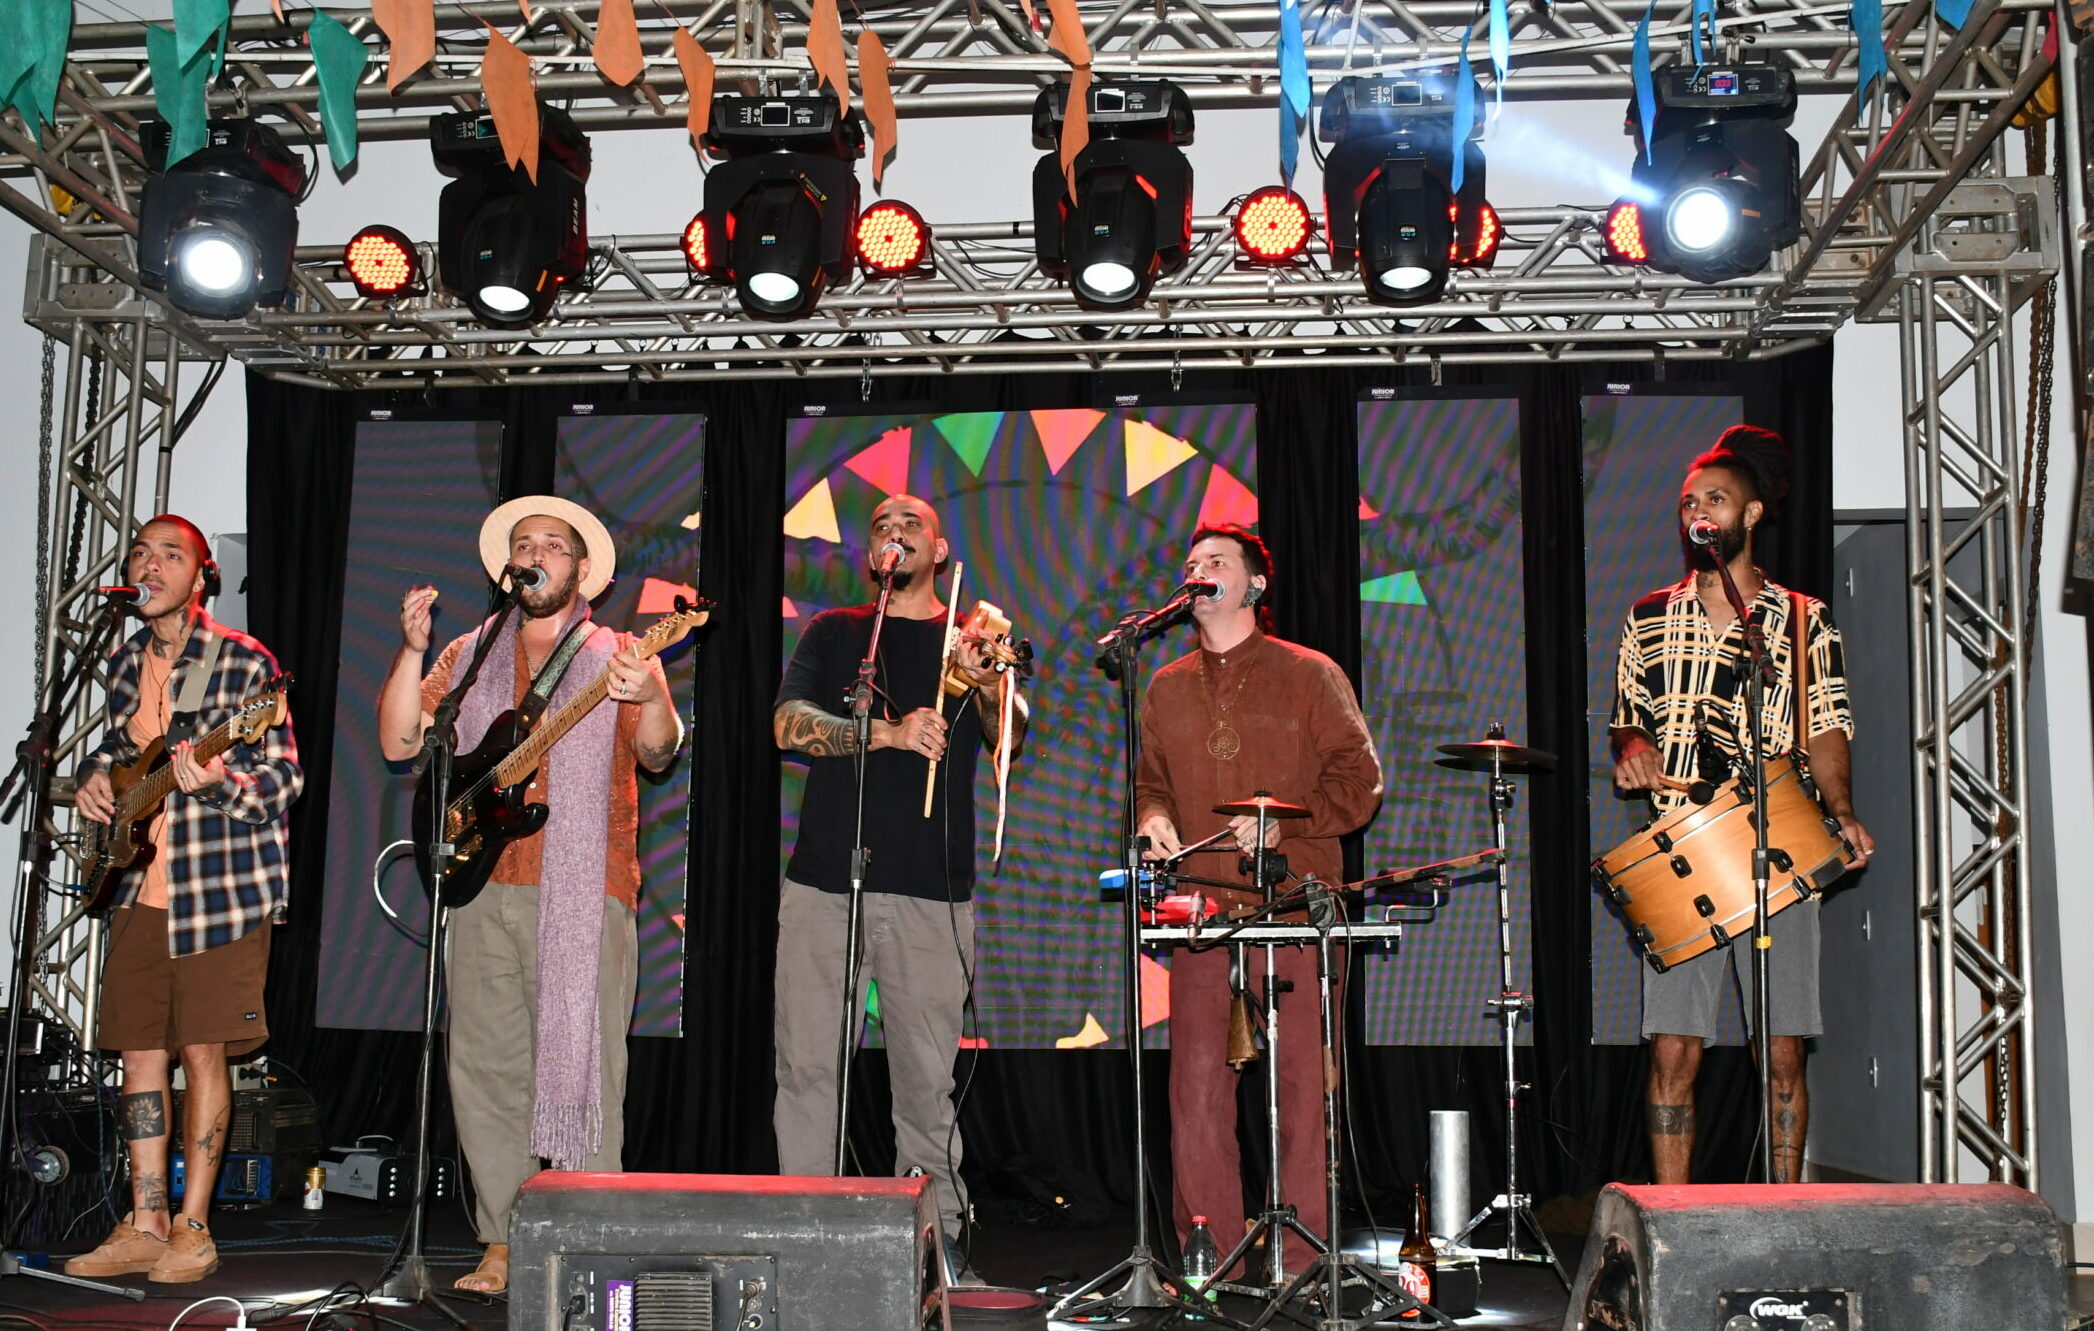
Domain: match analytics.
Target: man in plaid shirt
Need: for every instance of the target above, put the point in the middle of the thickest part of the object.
(1680, 716)
(189, 941)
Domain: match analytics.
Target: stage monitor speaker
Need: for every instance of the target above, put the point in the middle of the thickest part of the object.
(1820, 1257)
(695, 1252)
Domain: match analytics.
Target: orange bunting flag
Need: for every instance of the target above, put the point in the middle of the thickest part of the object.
(1076, 124)
(879, 99)
(825, 50)
(617, 46)
(505, 84)
(697, 67)
(278, 6)
(1068, 36)
(410, 37)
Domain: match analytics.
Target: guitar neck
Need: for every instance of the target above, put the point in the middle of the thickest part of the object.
(160, 783)
(525, 757)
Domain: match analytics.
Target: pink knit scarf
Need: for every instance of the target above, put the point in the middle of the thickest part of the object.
(567, 1106)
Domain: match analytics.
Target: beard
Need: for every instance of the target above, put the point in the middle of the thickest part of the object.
(548, 600)
(1730, 543)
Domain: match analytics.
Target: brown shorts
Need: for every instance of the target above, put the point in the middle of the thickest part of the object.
(153, 1001)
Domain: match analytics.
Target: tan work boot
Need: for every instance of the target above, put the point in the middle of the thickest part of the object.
(127, 1251)
(190, 1254)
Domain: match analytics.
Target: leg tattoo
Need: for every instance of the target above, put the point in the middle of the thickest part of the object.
(207, 1145)
(1788, 1138)
(145, 1115)
(1671, 1120)
(150, 1192)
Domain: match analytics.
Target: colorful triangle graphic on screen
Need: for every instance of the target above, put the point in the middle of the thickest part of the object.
(1368, 512)
(885, 465)
(1227, 500)
(814, 517)
(1063, 432)
(1394, 589)
(791, 611)
(1091, 1035)
(1156, 992)
(658, 596)
(1152, 454)
(970, 434)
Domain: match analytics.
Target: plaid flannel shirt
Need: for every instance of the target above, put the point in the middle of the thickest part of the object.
(227, 866)
(1676, 680)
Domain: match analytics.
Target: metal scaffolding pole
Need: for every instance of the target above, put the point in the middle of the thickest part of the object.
(1969, 728)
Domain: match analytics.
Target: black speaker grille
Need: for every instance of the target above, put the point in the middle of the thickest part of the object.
(673, 1301)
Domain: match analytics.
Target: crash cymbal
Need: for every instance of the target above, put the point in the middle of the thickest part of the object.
(1272, 808)
(1500, 754)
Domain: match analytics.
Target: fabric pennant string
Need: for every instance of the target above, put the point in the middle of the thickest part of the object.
(1703, 13)
(339, 60)
(33, 38)
(1646, 91)
(1295, 90)
(616, 48)
(1501, 47)
(197, 25)
(178, 91)
(825, 51)
(410, 37)
(879, 99)
(1871, 62)
(1953, 12)
(512, 99)
(1464, 117)
(696, 65)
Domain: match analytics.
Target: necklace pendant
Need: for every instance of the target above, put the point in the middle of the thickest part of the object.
(1223, 742)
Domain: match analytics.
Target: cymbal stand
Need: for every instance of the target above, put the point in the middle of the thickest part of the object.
(1331, 1270)
(1510, 1008)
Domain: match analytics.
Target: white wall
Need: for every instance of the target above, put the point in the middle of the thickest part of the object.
(979, 170)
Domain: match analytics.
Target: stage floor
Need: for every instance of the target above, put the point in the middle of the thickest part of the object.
(279, 1260)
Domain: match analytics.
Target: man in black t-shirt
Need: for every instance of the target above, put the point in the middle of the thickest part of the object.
(918, 917)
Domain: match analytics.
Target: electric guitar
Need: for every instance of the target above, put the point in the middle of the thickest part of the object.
(111, 851)
(488, 810)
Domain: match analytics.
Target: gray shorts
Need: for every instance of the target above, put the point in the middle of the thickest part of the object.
(1683, 1000)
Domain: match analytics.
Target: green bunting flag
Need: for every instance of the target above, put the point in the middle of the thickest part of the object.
(178, 91)
(338, 64)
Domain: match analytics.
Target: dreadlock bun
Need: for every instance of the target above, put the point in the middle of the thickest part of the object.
(1760, 456)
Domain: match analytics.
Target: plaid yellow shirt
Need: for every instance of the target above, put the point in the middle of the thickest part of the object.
(1677, 680)
(227, 866)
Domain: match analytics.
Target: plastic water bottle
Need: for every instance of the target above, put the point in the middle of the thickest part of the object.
(1200, 1260)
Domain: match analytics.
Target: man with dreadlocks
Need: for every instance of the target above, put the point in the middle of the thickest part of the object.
(1680, 716)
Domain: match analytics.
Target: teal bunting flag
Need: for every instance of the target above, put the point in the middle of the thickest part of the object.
(338, 66)
(178, 91)
(33, 37)
(198, 24)
(1646, 91)
(1501, 46)
(1952, 12)
(1294, 87)
(1464, 116)
(1702, 11)
(1872, 61)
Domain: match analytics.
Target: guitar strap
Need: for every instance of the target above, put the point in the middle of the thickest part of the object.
(1799, 657)
(181, 719)
(548, 677)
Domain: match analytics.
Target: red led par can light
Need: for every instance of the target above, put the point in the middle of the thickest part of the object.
(382, 263)
(1272, 227)
(698, 245)
(1475, 245)
(893, 240)
(1623, 234)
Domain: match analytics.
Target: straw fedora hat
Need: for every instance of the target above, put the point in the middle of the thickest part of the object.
(494, 538)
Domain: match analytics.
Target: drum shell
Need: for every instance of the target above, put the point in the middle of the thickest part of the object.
(1713, 842)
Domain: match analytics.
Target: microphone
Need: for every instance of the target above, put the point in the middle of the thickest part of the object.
(1701, 531)
(890, 556)
(123, 595)
(524, 577)
(1199, 589)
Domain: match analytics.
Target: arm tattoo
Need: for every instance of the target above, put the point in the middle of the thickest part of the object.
(150, 1192)
(806, 728)
(145, 1116)
(1671, 1120)
(656, 758)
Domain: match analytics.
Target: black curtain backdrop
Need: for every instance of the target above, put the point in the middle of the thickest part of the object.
(702, 1103)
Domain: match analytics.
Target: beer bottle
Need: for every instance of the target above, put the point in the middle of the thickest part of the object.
(1419, 1270)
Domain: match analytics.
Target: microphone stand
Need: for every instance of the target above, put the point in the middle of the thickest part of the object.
(1150, 1282)
(31, 779)
(854, 946)
(405, 1279)
(1756, 786)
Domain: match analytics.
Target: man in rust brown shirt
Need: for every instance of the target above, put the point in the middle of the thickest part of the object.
(1248, 712)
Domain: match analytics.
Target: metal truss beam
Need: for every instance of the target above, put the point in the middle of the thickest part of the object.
(1886, 166)
(1969, 737)
(107, 468)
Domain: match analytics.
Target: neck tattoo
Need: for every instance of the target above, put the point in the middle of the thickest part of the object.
(1222, 741)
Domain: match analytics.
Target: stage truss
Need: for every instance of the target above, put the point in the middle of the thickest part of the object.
(1909, 217)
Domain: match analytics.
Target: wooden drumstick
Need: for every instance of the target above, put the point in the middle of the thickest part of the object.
(952, 606)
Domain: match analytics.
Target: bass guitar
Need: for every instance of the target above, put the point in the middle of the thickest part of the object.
(488, 810)
(111, 851)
